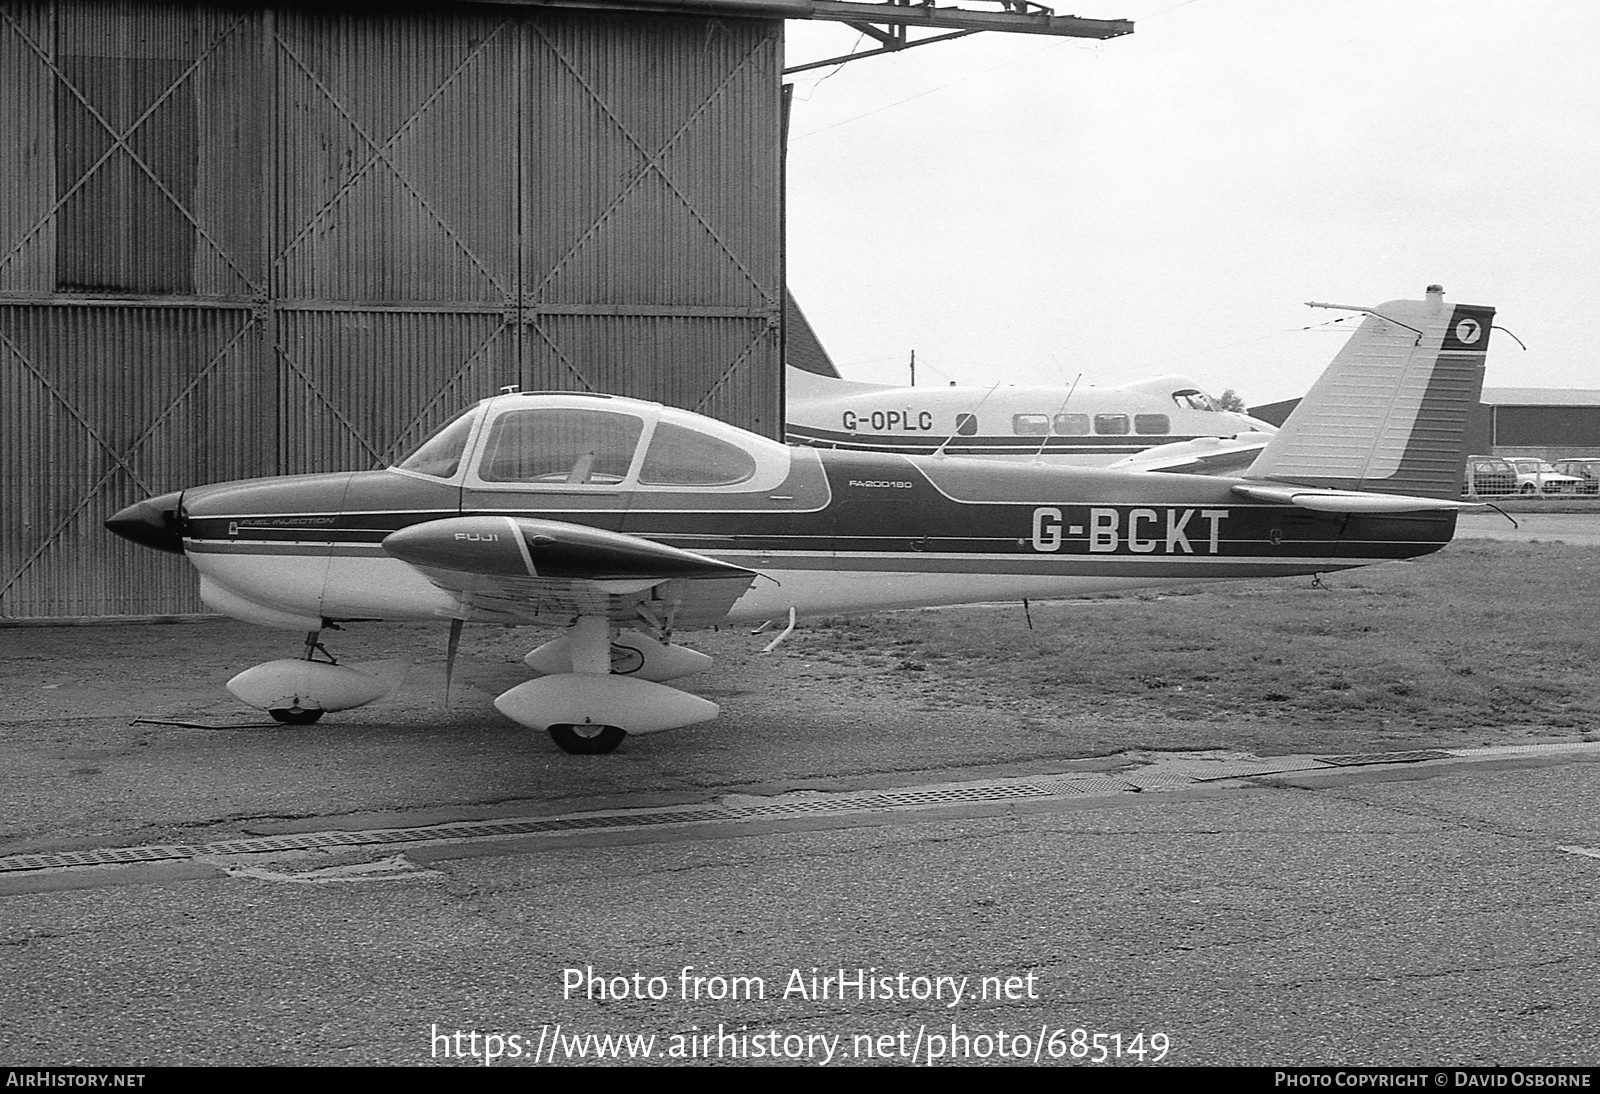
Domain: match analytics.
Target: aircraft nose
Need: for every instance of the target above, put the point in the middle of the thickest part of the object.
(153, 522)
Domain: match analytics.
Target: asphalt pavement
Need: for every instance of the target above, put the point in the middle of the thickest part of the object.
(1432, 913)
(1578, 529)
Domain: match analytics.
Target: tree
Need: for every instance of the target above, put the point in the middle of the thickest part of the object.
(1229, 400)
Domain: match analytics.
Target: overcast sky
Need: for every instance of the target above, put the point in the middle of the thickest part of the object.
(1026, 209)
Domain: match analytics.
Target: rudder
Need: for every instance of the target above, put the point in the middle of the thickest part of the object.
(1390, 414)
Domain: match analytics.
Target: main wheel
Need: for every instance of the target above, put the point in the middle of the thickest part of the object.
(586, 739)
(294, 716)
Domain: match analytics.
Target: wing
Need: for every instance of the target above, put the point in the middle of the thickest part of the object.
(1201, 456)
(519, 570)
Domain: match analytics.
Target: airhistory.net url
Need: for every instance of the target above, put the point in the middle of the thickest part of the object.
(555, 1044)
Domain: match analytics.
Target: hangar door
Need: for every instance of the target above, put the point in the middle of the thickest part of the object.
(244, 241)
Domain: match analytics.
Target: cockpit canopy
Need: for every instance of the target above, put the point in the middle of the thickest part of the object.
(1184, 392)
(590, 441)
(1194, 399)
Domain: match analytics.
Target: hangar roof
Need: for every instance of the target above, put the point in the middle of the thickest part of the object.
(1015, 16)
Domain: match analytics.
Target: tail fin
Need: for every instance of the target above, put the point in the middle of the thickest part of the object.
(1390, 413)
(802, 347)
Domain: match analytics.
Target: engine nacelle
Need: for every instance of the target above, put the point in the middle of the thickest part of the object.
(297, 684)
(579, 698)
(632, 654)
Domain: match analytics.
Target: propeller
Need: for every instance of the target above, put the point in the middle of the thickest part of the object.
(154, 522)
(451, 649)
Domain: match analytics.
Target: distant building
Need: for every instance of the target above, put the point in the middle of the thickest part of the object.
(1544, 422)
(1515, 421)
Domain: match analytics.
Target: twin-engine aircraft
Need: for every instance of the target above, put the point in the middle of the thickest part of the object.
(1166, 423)
(626, 522)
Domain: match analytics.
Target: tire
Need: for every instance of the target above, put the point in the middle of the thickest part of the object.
(586, 740)
(294, 716)
(1528, 488)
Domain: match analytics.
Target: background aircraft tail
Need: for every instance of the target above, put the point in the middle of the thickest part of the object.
(1390, 414)
(802, 348)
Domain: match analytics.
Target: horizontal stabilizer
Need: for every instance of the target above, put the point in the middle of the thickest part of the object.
(1345, 501)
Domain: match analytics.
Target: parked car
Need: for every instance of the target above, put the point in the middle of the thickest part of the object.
(1539, 477)
(1489, 475)
(1587, 469)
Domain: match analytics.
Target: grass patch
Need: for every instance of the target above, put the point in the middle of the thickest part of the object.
(1484, 641)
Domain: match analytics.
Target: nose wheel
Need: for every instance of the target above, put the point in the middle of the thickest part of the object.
(295, 716)
(586, 739)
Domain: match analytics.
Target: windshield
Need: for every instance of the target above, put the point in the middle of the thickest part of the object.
(440, 455)
(1194, 399)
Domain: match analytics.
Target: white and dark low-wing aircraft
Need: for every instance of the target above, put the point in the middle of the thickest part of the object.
(1166, 423)
(626, 522)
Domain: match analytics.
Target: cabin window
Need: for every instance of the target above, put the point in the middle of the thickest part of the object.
(1113, 424)
(1071, 425)
(684, 457)
(574, 446)
(1152, 423)
(966, 425)
(1030, 425)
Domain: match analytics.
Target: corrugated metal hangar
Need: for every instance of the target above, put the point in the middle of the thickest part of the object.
(244, 240)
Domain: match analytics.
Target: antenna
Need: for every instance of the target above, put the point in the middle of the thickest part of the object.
(1368, 311)
(913, 368)
(1048, 426)
(940, 450)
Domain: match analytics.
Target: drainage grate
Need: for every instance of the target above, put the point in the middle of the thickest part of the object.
(472, 830)
(1086, 784)
(1514, 750)
(1159, 780)
(103, 856)
(1242, 769)
(1176, 775)
(1384, 758)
